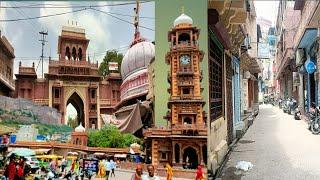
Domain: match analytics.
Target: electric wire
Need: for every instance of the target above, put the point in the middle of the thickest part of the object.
(121, 19)
(38, 17)
(72, 6)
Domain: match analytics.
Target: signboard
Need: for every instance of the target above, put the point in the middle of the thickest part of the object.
(310, 66)
(113, 66)
(91, 164)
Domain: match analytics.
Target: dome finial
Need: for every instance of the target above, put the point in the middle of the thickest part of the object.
(182, 9)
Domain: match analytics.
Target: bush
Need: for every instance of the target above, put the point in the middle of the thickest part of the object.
(110, 136)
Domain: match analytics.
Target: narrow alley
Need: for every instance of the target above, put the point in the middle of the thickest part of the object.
(278, 146)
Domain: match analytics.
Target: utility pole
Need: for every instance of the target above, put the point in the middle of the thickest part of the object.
(43, 34)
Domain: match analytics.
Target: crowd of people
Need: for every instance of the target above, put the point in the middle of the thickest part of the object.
(17, 169)
(139, 175)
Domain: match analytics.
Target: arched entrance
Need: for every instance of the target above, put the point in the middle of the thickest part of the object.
(76, 101)
(190, 158)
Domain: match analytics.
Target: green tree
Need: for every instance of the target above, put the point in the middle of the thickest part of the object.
(72, 122)
(110, 136)
(111, 56)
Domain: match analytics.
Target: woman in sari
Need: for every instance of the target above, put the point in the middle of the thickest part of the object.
(169, 171)
(199, 173)
(102, 170)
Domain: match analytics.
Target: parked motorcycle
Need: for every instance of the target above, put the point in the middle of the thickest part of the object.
(285, 106)
(292, 106)
(314, 121)
(280, 103)
(297, 114)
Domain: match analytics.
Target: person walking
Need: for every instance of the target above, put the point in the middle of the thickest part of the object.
(150, 175)
(63, 164)
(108, 169)
(199, 173)
(11, 170)
(137, 175)
(113, 167)
(169, 171)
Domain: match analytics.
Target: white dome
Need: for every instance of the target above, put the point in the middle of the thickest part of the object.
(137, 58)
(80, 128)
(183, 19)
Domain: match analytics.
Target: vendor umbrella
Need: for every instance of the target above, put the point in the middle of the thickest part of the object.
(22, 152)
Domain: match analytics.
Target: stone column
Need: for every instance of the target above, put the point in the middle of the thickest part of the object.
(201, 155)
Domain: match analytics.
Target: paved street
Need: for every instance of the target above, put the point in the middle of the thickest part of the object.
(278, 146)
(126, 175)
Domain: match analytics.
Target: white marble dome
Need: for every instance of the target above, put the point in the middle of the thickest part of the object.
(137, 58)
(80, 128)
(183, 19)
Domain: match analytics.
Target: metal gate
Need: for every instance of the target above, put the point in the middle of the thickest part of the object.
(229, 72)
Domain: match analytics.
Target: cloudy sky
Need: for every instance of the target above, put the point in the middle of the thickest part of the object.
(267, 9)
(104, 31)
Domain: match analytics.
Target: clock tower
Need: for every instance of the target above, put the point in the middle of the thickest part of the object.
(183, 143)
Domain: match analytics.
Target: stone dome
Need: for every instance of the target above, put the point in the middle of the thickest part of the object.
(183, 19)
(136, 58)
(80, 128)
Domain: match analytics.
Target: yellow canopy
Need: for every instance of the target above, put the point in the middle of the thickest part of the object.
(50, 156)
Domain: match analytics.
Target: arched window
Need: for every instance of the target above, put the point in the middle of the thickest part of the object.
(74, 53)
(67, 57)
(187, 120)
(184, 38)
(80, 54)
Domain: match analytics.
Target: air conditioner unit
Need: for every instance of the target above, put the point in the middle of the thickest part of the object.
(300, 57)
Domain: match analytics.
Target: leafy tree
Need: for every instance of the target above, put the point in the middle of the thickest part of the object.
(110, 136)
(72, 122)
(111, 56)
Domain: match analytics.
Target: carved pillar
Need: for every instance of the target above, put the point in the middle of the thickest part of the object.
(174, 153)
(201, 154)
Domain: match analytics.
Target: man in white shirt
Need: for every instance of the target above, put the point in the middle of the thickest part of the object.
(150, 175)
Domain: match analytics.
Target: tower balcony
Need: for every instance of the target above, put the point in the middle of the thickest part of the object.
(189, 130)
(185, 71)
(73, 63)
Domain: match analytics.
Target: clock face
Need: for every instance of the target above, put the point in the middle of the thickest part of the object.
(185, 59)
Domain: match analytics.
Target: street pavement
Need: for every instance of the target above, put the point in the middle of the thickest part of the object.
(126, 175)
(278, 146)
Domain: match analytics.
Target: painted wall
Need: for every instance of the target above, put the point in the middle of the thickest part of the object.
(166, 12)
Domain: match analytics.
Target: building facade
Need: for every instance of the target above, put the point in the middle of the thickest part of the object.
(72, 79)
(286, 28)
(184, 142)
(233, 72)
(7, 85)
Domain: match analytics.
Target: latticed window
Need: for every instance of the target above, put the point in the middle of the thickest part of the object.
(215, 78)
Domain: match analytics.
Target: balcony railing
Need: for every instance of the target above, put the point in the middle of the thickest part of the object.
(73, 63)
(9, 82)
(93, 101)
(56, 100)
(92, 113)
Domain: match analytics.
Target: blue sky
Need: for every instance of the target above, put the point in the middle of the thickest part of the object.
(105, 32)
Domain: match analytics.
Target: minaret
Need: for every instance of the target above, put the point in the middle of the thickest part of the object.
(137, 37)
